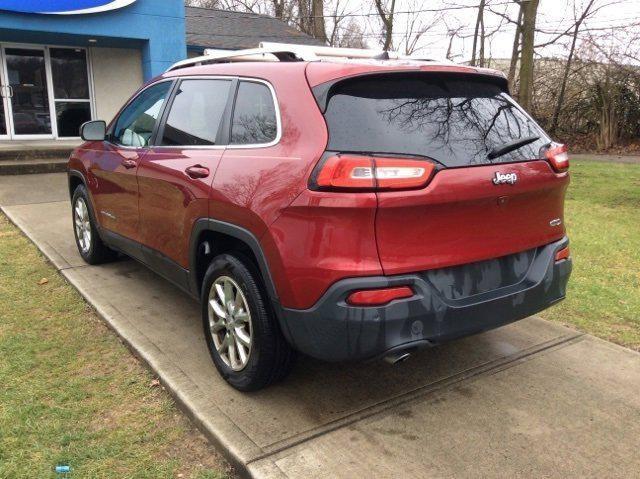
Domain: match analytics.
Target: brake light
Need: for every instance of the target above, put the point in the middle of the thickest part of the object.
(564, 253)
(378, 297)
(362, 172)
(558, 158)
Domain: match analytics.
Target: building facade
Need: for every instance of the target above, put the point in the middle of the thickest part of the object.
(64, 62)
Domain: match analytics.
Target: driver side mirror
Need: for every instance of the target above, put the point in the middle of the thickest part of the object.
(93, 130)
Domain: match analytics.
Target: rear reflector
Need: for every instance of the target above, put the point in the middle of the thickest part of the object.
(564, 253)
(377, 297)
(558, 157)
(362, 172)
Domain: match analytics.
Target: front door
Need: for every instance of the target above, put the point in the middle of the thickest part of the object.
(114, 162)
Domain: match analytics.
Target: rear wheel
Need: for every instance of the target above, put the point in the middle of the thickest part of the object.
(242, 333)
(88, 241)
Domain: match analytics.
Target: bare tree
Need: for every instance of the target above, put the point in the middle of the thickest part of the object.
(386, 10)
(351, 36)
(344, 30)
(515, 51)
(452, 33)
(479, 34)
(415, 26)
(318, 27)
(567, 67)
(203, 3)
(526, 57)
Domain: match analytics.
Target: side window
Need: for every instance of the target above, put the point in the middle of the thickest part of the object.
(135, 125)
(254, 115)
(196, 113)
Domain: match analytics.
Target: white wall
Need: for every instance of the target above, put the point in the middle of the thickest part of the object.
(117, 74)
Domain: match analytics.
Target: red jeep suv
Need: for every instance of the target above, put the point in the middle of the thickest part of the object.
(344, 208)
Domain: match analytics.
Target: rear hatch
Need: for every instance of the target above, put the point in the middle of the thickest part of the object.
(488, 197)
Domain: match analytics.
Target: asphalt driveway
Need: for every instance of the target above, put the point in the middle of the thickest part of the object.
(529, 399)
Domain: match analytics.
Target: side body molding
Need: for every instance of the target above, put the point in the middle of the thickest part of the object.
(207, 224)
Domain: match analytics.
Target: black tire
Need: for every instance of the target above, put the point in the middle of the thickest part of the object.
(97, 252)
(270, 357)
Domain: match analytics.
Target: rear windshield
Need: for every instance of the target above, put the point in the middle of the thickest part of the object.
(455, 121)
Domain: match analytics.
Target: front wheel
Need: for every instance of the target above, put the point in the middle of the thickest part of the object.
(88, 241)
(242, 333)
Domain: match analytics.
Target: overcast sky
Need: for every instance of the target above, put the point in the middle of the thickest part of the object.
(554, 15)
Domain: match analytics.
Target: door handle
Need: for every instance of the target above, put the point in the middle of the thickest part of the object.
(128, 164)
(197, 171)
(10, 89)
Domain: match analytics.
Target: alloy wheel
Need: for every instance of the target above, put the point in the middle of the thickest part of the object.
(230, 322)
(82, 225)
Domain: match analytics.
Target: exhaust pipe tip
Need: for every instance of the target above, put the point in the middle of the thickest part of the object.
(398, 357)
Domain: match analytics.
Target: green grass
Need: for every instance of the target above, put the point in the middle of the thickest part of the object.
(603, 220)
(71, 393)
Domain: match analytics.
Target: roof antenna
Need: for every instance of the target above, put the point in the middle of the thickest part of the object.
(383, 56)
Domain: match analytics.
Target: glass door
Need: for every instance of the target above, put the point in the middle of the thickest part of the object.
(71, 92)
(5, 93)
(27, 81)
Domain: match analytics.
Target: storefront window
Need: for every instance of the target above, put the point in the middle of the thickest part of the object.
(70, 89)
(70, 116)
(70, 75)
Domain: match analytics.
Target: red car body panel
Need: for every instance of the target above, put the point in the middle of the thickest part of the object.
(461, 217)
(114, 187)
(170, 201)
(319, 239)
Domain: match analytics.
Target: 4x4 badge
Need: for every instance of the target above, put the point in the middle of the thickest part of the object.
(501, 178)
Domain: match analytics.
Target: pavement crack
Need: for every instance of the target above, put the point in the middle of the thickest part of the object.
(485, 369)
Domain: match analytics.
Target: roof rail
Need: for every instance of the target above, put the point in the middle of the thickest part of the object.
(287, 52)
(226, 56)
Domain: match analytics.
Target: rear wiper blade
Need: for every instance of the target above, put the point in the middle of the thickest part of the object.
(512, 145)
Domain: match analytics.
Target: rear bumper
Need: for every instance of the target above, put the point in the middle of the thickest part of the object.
(332, 330)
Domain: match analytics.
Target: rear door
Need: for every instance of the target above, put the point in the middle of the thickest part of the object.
(175, 176)
(478, 205)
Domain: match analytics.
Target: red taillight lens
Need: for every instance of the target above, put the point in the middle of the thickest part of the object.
(564, 253)
(361, 172)
(377, 297)
(347, 172)
(558, 157)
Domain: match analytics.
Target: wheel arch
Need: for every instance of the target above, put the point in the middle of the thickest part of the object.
(76, 178)
(210, 237)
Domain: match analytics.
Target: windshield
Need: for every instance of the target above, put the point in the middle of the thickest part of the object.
(455, 121)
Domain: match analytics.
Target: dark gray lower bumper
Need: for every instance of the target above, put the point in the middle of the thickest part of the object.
(334, 331)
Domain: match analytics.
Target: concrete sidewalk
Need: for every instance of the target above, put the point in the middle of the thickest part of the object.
(529, 399)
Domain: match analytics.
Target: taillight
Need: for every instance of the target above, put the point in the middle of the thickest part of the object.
(558, 157)
(369, 173)
(378, 297)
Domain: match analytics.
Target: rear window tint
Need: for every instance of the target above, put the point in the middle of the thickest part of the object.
(254, 115)
(196, 113)
(455, 121)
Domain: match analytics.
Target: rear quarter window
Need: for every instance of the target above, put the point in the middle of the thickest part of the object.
(254, 115)
(455, 121)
